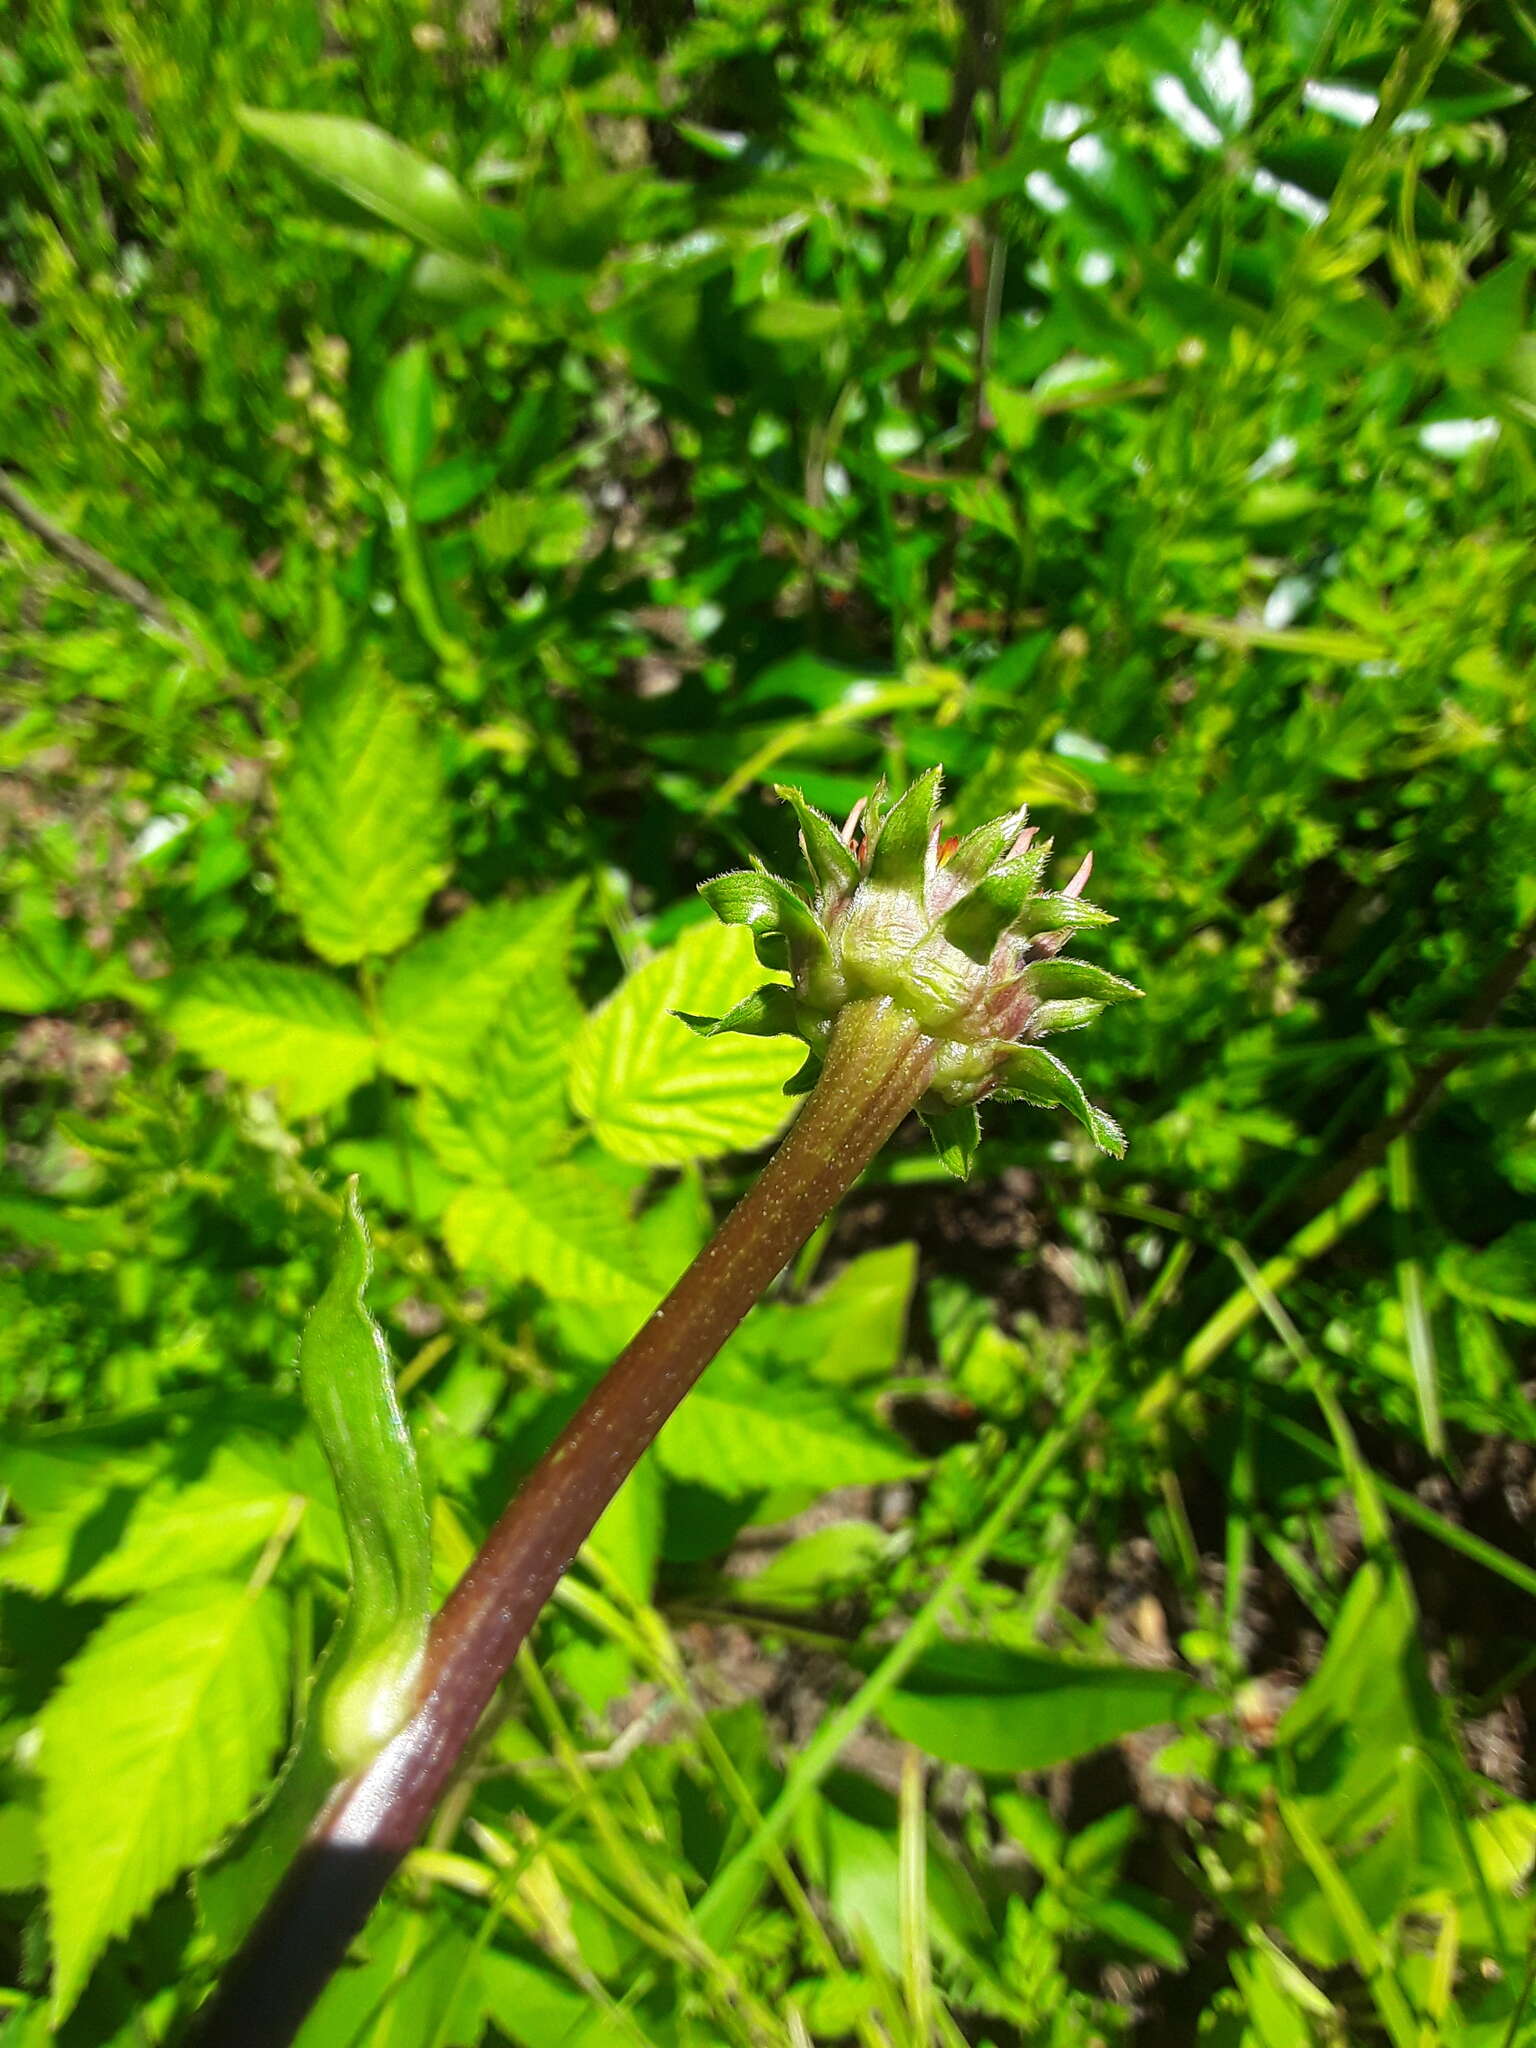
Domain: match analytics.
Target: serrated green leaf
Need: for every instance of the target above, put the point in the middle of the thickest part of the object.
(361, 827)
(407, 396)
(133, 1539)
(374, 171)
(515, 1113)
(656, 1094)
(563, 1228)
(1037, 1076)
(738, 1434)
(289, 1028)
(956, 1135)
(439, 1000)
(155, 1744)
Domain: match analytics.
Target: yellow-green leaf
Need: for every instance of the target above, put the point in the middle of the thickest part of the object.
(565, 1229)
(288, 1028)
(656, 1093)
(156, 1743)
(362, 827)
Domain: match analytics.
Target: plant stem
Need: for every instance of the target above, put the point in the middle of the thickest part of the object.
(878, 1065)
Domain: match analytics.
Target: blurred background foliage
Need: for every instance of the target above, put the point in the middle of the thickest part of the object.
(1129, 407)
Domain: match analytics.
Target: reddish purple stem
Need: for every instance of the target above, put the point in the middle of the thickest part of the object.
(878, 1065)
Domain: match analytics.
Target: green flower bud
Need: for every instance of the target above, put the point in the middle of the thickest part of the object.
(958, 934)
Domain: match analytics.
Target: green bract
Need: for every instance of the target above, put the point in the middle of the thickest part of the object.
(958, 933)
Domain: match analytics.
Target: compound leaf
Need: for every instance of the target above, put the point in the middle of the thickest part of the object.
(288, 1028)
(564, 1228)
(361, 827)
(156, 1743)
(658, 1094)
(440, 999)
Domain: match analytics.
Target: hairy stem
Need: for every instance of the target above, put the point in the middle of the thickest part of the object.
(878, 1065)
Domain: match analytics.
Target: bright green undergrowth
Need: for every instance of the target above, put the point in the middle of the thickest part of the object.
(1090, 1604)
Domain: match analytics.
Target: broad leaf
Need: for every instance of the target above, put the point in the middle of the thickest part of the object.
(374, 171)
(361, 827)
(628, 1534)
(850, 1840)
(656, 1093)
(288, 1028)
(995, 1709)
(131, 1539)
(1368, 1703)
(841, 1558)
(536, 2007)
(513, 1113)
(853, 1331)
(155, 1744)
(440, 999)
(739, 1434)
(563, 1228)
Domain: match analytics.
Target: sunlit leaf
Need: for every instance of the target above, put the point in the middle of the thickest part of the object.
(406, 400)
(362, 828)
(563, 1228)
(656, 1093)
(289, 1028)
(135, 1538)
(440, 999)
(157, 1741)
(375, 171)
(739, 1434)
